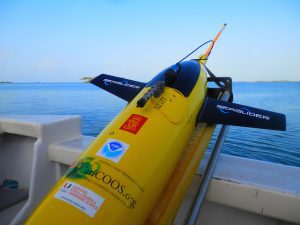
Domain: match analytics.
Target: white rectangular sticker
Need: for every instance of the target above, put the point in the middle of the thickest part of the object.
(113, 150)
(80, 197)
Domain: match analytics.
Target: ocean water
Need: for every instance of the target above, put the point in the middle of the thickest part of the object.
(97, 108)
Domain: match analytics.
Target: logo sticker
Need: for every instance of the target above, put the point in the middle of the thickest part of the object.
(80, 197)
(244, 111)
(134, 123)
(124, 83)
(113, 150)
(84, 166)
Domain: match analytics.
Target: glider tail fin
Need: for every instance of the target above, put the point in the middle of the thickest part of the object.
(121, 87)
(221, 112)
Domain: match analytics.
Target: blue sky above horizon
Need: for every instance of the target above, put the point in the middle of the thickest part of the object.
(62, 41)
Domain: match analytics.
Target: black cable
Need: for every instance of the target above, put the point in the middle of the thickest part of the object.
(214, 77)
(213, 44)
(196, 50)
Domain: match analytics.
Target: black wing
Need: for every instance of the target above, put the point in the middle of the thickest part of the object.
(121, 87)
(221, 112)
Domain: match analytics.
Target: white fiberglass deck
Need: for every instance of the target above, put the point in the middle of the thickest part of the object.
(242, 191)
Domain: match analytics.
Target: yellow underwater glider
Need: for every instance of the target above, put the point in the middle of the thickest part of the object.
(122, 175)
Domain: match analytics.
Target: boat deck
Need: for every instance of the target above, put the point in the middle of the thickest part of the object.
(242, 191)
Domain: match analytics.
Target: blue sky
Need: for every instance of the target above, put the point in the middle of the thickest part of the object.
(62, 41)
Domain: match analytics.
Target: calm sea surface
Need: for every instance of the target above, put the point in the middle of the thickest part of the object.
(98, 108)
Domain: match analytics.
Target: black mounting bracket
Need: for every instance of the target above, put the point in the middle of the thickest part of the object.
(224, 83)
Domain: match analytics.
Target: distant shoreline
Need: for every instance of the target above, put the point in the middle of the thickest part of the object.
(274, 81)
